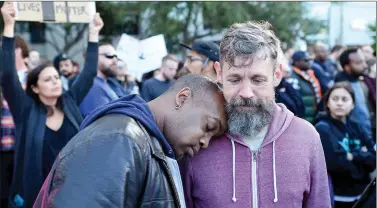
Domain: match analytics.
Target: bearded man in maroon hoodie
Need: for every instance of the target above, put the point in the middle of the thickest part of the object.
(269, 158)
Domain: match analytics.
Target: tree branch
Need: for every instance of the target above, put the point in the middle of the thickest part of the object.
(187, 23)
(55, 30)
(67, 29)
(77, 38)
(52, 43)
(195, 20)
(80, 49)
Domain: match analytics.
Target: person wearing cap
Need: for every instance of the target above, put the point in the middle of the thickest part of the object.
(201, 58)
(66, 68)
(303, 79)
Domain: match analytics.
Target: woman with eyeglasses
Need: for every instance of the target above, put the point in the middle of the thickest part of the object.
(45, 117)
(350, 156)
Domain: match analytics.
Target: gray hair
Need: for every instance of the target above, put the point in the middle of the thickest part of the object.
(248, 40)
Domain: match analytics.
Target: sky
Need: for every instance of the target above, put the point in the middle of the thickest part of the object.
(318, 9)
(321, 9)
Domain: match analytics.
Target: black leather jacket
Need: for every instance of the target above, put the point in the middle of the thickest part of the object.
(112, 163)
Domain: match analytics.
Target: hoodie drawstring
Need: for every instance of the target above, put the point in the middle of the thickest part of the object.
(234, 171)
(234, 199)
(274, 169)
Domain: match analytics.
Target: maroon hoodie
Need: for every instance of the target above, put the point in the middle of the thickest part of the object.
(288, 170)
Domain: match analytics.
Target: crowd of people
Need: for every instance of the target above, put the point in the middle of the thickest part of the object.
(236, 124)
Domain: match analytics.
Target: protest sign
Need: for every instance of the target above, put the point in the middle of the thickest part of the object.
(59, 11)
(141, 56)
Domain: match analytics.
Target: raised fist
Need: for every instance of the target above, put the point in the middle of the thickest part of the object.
(96, 24)
(8, 11)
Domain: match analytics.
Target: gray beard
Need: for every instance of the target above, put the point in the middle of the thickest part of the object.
(248, 123)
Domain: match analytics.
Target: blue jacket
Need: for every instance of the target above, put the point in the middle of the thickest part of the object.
(328, 67)
(30, 119)
(349, 178)
(325, 78)
(152, 88)
(100, 94)
(287, 95)
(117, 87)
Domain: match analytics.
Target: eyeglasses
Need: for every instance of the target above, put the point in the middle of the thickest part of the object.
(194, 58)
(306, 60)
(109, 56)
(197, 58)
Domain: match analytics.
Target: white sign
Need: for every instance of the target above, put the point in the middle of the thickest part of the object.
(55, 11)
(141, 56)
(358, 24)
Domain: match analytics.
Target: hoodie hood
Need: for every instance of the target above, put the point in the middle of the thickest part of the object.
(323, 116)
(348, 127)
(136, 108)
(280, 122)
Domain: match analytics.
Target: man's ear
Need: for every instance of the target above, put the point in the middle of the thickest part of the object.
(278, 75)
(346, 68)
(182, 96)
(219, 72)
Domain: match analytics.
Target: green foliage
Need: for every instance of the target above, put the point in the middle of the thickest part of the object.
(185, 21)
(287, 19)
(115, 15)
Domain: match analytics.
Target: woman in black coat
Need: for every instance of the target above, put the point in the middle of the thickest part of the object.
(350, 154)
(45, 117)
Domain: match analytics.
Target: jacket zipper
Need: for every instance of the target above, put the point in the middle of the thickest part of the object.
(173, 184)
(254, 179)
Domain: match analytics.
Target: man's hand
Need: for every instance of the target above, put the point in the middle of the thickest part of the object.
(95, 27)
(8, 11)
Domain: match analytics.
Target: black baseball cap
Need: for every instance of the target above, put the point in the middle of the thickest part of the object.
(59, 58)
(207, 48)
(300, 55)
